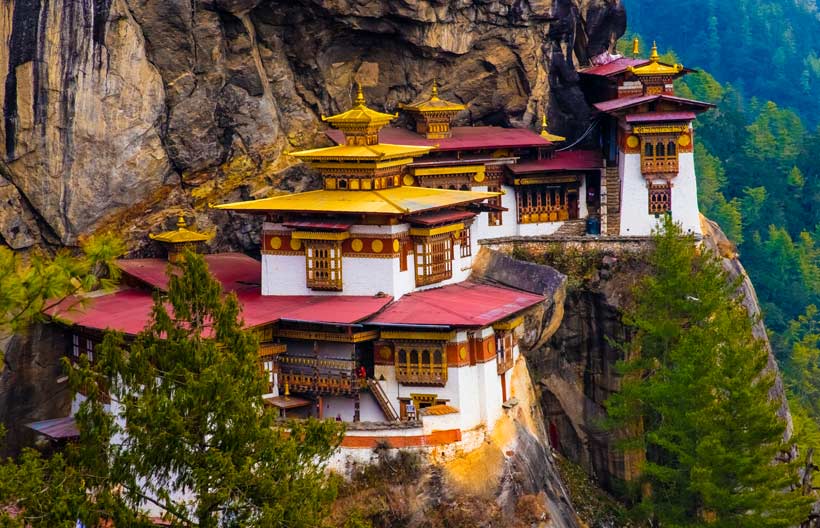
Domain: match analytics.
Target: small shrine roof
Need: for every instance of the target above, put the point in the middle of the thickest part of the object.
(360, 114)
(433, 104)
(392, 201)
(570, 160)
(616, 67)
(377, 152)
(466, 304)
(234, 270)
(181, 235)
(463, 138)
(656, 67)
(654, 117)
(623, 103)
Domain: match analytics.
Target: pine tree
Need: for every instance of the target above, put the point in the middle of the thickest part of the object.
(695, 394)
(174, 420)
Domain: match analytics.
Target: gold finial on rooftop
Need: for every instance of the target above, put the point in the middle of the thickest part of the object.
(434, 91)
(636, 47)
(359, 101)
(546, 134)
(181, 221)
(655, 57)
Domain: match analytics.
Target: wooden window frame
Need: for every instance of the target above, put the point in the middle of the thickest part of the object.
(323, 264)
(465, 243)
(660, 198)
(421, 363)
(656, 157)
(495, 218)
(433, 258)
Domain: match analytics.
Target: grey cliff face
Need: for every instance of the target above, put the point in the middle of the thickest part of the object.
(118, 113)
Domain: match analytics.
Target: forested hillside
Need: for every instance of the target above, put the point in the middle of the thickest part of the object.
(738, 40)
(758, 175)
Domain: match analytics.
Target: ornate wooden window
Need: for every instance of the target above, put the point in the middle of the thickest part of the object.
(434, 258)
(495, 217)
(81, 345)
(421, 363)
(660, 198)
(504, 343)
(659, 155)
(545, 203)
(323, 261)
(466, 246)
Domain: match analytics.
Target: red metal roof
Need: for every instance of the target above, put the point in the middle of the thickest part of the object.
(464, 138)
(623, 103)
(571, 160)
(258, 309)
(654, 117)
(443, 217)
(318, 224)
(234, 270)
(56, 428)
(467, 304)
(129, 311)
(613, 68)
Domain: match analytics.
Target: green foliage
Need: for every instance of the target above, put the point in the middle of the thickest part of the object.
(32, 283)
(174, 419)
(695, 396)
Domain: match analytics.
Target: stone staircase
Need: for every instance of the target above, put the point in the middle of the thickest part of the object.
(572, 228)
(613, 201)
(381, 398)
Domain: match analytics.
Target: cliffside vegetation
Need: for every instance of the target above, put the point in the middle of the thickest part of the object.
(693, 399)
(197, 443)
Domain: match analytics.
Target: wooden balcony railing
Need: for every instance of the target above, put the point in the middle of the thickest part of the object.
(434, 375)
(321, 383)
(656, 165)
(268, 350)
(540, 214)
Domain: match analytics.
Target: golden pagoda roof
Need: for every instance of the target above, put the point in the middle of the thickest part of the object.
(360, 115)
(552, 138)
(182, 235)
(376, 152)
(655, 66)
(433, 104)
(393, 201)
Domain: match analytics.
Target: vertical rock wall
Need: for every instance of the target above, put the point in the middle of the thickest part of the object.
(118, 113)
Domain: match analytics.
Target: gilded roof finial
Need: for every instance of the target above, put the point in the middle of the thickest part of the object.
(655, 57)
(636, 47)
(434, 90)
(181, 221)
(544, 123)
(359, 95)
(552, 138)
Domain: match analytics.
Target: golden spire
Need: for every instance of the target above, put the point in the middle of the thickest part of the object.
(656, 68)
(181, 221)
(552, 138)
(359, 101)
(182, 235)
(434, 91)
(654, 57)
(636, 47)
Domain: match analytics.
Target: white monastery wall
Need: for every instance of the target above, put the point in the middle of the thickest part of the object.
(685, 195)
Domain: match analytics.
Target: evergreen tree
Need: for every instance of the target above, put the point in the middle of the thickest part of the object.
(174, 419)
(695, 395)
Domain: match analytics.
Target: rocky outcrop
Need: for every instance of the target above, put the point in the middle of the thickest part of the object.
(118, 113)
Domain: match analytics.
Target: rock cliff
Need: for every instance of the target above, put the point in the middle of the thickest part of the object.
(118, 113)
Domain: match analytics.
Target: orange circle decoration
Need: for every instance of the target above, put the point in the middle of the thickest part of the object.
(384, 352)
(295, 244)
(275, 242)
(396, 246)
(479, 176)
(633, 142)
(462, 353)
(408, 180)
(377, 246)
(357, 245)
(684, 140)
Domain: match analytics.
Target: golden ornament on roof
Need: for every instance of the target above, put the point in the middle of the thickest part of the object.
(182, 235)
(656, 67)
(433, 104)
(545, 133)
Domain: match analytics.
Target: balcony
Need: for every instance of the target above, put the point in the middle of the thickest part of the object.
(269, 350)
(658, 165)
(342, 384)
(435, 375)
